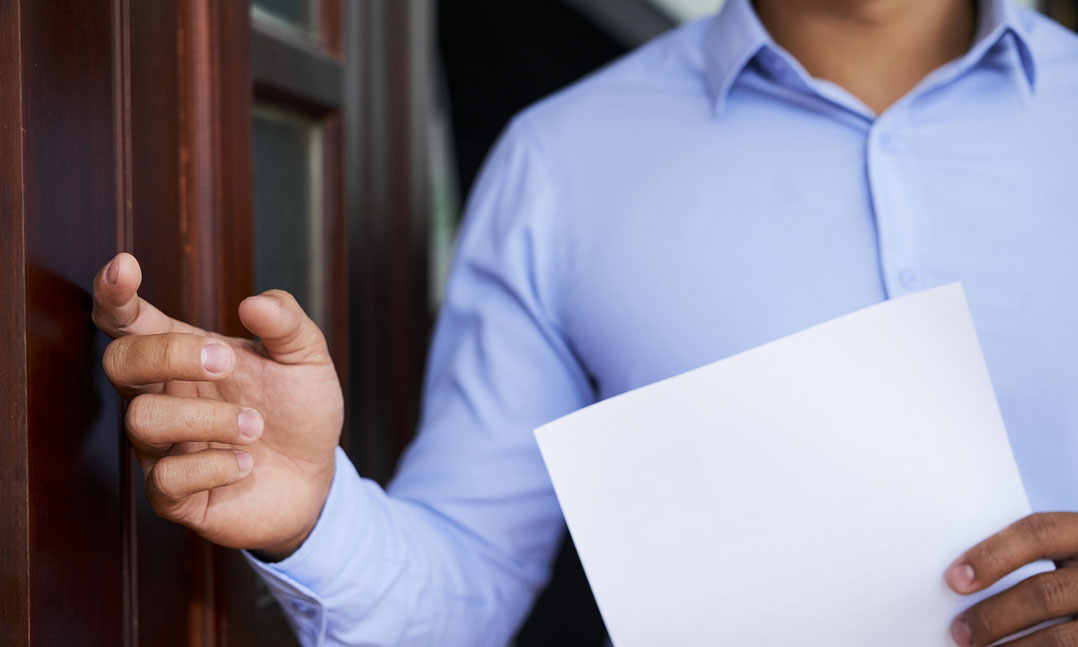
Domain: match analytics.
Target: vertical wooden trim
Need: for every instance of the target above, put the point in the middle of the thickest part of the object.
(196, 191)
(121, 79)
(14, 449)
(121, 75)
(390, 228)
(384, 387)
(353, 193)
(199, 137)
(370, 429)
(335, 244)
(226, 247)
(69, 219)
(199, 208)
(330, 26)
(235, 225)
(408, 214)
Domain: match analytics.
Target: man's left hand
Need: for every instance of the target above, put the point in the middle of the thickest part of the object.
(1043, 597)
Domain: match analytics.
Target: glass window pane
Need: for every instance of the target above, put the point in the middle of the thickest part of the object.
(288, 231)
(297, 14)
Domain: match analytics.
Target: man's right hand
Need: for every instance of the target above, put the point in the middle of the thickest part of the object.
(236, 438)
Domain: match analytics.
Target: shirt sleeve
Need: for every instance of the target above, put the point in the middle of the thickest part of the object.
(457, 547)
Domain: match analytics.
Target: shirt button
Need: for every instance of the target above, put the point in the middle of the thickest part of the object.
(907, 279)
(892, 143)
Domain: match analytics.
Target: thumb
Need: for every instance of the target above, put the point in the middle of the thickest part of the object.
(287, 332)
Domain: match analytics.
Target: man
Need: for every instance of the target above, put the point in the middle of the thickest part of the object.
(737, 180)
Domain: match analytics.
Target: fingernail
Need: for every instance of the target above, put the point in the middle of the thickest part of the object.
(250, 424)
(961, 633)
(272, 299)
(216, 358)
(960, 576)
(112, 272)
(244, 462)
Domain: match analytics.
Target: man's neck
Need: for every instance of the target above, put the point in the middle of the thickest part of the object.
(876, 49)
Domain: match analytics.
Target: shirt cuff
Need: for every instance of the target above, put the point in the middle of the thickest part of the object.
(302, 581)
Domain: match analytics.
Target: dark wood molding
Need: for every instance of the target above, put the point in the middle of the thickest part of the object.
(410, 76)
(121, 88)
(14, 485)
(164, 574)
(331, 21)
(352, 195)
(215, 154)
(295, 74)
(199, 138)
(335, 244)
(68, 211)
(390, 217)
(235, 225)
(127, 125)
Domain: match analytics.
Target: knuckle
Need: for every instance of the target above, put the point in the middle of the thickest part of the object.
(139, 418)
(1040, 527)
(193, 420)
(171, 353)
(167, 479)
(207, 420)
(200, 469)
(216, 470)
(1061, 636)
(981, 622)
(223, 468)
(224, 420)
(1051, 593)
(114, 358)
(988, 559)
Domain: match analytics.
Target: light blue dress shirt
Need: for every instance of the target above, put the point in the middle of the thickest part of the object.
(700, 197)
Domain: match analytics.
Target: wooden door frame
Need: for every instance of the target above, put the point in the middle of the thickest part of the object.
(14, 481)
(389, 219)
(122, 124)
(60, 205)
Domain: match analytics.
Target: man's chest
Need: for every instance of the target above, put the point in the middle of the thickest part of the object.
(668, 280)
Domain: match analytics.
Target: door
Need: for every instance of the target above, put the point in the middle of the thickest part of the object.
(231, 146)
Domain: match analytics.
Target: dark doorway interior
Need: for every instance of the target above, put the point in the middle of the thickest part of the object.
(498, 58)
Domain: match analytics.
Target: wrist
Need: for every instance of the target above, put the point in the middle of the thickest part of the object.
(281, 550)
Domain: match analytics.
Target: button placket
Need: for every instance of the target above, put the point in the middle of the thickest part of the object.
(892, 208)
(892, 142)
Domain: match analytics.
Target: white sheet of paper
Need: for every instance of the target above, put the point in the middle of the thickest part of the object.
(808, 492)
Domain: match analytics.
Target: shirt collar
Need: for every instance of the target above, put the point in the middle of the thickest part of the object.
(735, 36)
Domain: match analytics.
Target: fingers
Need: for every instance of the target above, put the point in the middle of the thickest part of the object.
(174, 478)
(156, 422)
(1051, 535)
(287, 332)
(1042, 597)
(118, 310)
(139, 360)
(1056, 636)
